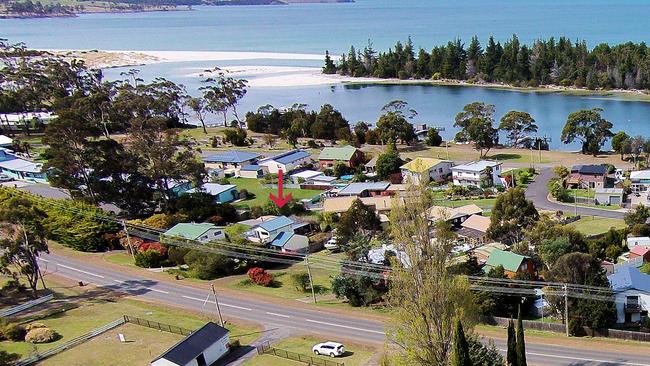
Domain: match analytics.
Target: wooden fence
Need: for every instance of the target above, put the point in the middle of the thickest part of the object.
(156, 325)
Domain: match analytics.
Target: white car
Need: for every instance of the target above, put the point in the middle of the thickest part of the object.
(331, 349)
(332, 244)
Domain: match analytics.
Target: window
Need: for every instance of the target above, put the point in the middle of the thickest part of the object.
(217, 233)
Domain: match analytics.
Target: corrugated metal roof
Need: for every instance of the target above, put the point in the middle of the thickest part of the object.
(213, 188)
(251, 168)
(628, 278)
(287, 157)
(509, 260)
(190, 230)
(276, 223)
(187, 350)
(421, 165)
(477, 166)
(354, 189)
(343, 153)
(231, 156)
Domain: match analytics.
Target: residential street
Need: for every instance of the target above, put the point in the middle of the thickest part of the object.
(538, 193)
(307, 320)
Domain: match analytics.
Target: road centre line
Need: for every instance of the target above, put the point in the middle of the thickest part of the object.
(344, 326)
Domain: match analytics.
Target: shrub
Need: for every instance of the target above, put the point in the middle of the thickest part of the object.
(7, 358)
(153, 246)
(259, 276)
(208, 266)
(150, 258)
(13, 332)
(177, 255)
(34, 325)
(14, 285)
(312, 144)
(41, 335)
(300, 281)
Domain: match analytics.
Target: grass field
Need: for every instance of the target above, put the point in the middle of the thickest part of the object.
(261, 193)
(591, 225)
(90, 308)
(484, 203)
(355, 355)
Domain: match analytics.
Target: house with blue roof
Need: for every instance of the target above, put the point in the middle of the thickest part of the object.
(289, 242)
(265, 231)
(222, 193)
(251, 171)
(286, 161)
(231, 162)
(359, 189)
(21, 169)
(631, 290)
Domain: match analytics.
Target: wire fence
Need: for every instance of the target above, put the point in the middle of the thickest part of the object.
(266, 348)
(156, 325)
(72, 343)
(22, 307)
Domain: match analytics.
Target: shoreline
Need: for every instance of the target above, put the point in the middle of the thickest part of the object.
(295, 76)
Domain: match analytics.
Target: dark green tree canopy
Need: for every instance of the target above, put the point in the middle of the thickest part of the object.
(517, 125)
(476, 122)
(512, 213)
(588, 127)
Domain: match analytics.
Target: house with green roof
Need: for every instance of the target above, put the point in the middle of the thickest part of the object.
(512, 263)
(426, 170)
(348, 155)
(201, 232)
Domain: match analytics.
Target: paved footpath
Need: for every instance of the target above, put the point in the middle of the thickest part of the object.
(317, 321)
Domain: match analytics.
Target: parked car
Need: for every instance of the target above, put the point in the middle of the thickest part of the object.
(5, 178)
(331, 349)
(332, 244)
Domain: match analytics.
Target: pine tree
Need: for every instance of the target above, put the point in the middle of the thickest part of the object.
(511, 356)
(460, 356)
(329, 68)
(521, 343)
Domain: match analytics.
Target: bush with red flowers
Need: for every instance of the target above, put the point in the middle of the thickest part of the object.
(153, 246)
(260, 277)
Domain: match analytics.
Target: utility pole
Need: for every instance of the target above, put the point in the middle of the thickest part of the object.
(532, 161)
(311, 282)
(566, 310)
(575, 200)
(216, 301)
(128, 239)
(539, 149)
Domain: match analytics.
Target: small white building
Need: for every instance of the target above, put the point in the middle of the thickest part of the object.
(266, 231)
(608, 196)
(477, 173)
(633, 241)
(305, 176)
(640, 180)
(631, 290)
(286, 161)
(6, 141)
(201, 348)
(426, 170)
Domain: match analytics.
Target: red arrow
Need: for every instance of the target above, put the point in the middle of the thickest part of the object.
(280, 200)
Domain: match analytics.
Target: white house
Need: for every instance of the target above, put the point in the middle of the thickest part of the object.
(426, 170)
(286, 161)
(201, 348)
(21, 169)
(608, 196)
(633, 241)
(266, 231)
(305, 176)
(477, 173)
(201, 232)
(640, 180)
(631, 290)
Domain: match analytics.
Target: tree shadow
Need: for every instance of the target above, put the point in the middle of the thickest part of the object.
(504, 156)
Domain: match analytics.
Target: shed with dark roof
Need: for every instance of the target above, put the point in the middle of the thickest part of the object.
(202, 348)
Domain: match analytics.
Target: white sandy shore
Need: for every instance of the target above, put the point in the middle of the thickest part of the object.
(179, 56)
(281, 76)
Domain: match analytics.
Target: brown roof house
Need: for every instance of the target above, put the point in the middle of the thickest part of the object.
(587, 176)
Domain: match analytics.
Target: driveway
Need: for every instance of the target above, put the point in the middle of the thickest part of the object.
(538, 193)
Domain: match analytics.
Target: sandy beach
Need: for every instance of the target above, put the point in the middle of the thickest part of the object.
(290, 76)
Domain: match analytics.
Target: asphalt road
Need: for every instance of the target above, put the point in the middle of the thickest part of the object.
(307, 320)
(538, 193)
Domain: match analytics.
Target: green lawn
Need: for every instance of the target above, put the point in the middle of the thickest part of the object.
(591, 225)
(356, 354)
(121, 258)
(584, 193)
(261, 193)
(91, 308)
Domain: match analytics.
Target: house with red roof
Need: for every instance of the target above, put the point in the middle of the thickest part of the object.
(640, 251)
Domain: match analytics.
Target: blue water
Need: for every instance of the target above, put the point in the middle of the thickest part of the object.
(312, 28)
